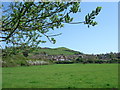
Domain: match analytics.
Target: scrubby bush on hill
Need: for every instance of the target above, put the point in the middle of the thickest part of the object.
(16, 60)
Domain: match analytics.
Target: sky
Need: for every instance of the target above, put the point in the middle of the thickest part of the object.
(102, 38)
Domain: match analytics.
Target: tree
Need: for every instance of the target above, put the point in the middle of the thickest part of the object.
(24, 23)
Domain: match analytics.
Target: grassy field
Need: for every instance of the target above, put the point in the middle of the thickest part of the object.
(62, 76)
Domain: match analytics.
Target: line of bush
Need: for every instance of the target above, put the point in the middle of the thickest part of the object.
(99, 61)
(64, 62)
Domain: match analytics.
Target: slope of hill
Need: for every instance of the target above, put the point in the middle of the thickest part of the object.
(56, 51)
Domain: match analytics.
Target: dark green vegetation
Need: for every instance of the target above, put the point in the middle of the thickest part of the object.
(62, 76)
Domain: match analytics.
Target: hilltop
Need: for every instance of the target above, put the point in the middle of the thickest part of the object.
(55, 51)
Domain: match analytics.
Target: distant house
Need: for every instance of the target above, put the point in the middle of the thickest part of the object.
(60, 58)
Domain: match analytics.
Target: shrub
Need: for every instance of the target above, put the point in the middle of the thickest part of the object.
(15, 60)
(64, 62)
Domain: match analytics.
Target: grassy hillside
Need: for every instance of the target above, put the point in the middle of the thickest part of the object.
(56, 51)
(61, 76)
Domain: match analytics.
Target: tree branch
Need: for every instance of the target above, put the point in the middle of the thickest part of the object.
(22, 12)
(75, 22)
(54, 35)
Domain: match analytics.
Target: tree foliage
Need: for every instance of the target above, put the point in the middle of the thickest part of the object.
(24, 23)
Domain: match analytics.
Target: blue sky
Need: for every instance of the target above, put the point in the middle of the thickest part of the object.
(102, 38)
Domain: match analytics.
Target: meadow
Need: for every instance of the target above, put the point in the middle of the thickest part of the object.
(61, 76)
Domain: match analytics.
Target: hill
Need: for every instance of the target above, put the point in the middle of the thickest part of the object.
(55, 51)
(41, 56)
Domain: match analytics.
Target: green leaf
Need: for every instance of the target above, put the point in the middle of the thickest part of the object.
(93, 18)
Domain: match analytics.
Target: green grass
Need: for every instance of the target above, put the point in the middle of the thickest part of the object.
(62, 76)
(56, 51)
